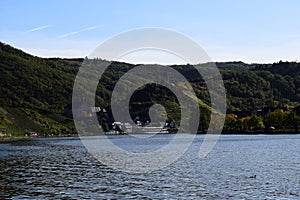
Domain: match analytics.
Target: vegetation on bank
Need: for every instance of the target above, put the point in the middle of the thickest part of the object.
(36, 95)
(278, 121)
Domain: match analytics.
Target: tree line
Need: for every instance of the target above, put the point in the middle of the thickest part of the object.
(277, 121)
(37, 92)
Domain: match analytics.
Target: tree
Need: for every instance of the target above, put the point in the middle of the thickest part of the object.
(293, 119)
(245, 121)
(255, 122)
(276, 119)
(230, 121)
(105, 127)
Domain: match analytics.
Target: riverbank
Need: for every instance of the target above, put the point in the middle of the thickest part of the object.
(13, 137)
(2, 138)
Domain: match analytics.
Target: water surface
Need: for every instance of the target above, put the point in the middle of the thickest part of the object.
(58, 168)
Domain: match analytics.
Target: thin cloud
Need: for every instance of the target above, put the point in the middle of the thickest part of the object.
(38, 28)
(76, 32)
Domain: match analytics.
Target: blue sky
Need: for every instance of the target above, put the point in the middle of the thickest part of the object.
(232, 30)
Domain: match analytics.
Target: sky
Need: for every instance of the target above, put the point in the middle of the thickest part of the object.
(254, 31)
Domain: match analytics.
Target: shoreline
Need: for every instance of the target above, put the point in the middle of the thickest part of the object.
(6, 138)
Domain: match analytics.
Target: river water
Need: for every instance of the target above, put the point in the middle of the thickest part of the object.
(239, 167)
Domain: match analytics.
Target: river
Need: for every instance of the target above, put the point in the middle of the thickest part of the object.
(238, 167)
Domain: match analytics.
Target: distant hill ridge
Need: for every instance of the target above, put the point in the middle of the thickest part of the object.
(37, 91)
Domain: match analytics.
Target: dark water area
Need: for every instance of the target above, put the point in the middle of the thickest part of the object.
(239, 167)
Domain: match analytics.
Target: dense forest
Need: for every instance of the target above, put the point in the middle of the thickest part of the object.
(36, 94)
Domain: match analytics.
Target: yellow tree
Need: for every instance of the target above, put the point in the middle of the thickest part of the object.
(230, 120)
(245, 121)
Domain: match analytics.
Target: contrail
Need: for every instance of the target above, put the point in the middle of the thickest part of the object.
(76, 32)
(38, 28)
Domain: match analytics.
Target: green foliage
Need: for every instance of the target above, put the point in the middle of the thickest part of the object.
(37, 92)
(276, 118)
(255, 122)
(231, 121)
(8, 124)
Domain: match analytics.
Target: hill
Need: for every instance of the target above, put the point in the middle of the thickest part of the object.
(36, 92)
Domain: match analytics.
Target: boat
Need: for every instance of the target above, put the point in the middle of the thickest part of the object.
(127, 128)
(150, 129)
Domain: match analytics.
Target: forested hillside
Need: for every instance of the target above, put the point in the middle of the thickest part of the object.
(36, 93)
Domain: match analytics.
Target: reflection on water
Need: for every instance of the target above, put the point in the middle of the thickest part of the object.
(59, 168)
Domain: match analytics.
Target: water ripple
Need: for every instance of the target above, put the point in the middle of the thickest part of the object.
(239, 167)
